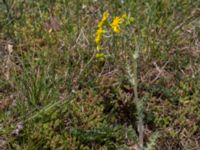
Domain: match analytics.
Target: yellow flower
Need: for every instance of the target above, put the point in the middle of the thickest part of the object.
(100, 31)
(99, 34)
(105, 16)
(98, 47)
(103, 20)
(116, 24)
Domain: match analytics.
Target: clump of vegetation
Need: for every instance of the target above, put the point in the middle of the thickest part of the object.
(101, 75)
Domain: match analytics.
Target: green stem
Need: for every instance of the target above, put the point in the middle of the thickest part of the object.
(138, 102)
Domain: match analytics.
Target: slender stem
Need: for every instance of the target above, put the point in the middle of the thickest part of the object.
(138, 102)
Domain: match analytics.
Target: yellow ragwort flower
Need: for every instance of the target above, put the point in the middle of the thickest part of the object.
(99, 34)
(100, 31)
(116, 24)
(103, 20)
(98, 47)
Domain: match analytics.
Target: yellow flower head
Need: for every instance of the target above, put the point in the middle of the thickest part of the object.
(99, 34)
(116, 24)
(103, 20)
(100, 31)
(105, 16)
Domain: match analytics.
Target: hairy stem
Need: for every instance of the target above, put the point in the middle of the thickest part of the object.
(138, 102)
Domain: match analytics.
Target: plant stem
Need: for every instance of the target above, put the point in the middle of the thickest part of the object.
(138, 102)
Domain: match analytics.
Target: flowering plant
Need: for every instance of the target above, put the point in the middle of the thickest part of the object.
(115, 27)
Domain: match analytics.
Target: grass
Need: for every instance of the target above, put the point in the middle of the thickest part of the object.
(55, 93)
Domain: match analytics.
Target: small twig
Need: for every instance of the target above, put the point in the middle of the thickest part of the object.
(160, 71)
